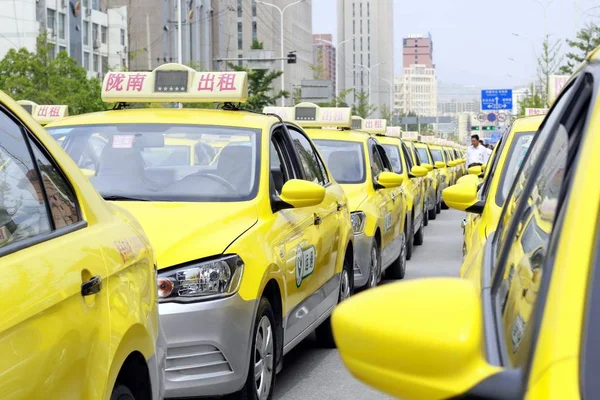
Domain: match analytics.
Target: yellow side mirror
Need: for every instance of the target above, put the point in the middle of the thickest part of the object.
(88, 172)
(420, 339)
(468, 179)
(390, 179)
(440, 164)
(476, 170)
(418, 171)
(428, 166)
(300, 193)
(463, 197)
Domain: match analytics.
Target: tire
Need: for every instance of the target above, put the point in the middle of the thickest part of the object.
(409, 241)
(425, 215)
(264, 325)
(121, 392)
(375, 268)
(324, 331)
(438, 207)
(444, 206)
(419, 235)
(432, 214)
(398, 268)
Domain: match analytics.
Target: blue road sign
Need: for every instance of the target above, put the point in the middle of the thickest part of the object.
(491, 117)
(496, 99)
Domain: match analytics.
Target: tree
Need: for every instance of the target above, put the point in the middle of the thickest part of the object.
(297, 95)
(318, 69)
(260, 87)
(533, 101)
(362, 107)
(386, 114)
(37, 77)
(548, 64)
(587, 39)
(256, 45)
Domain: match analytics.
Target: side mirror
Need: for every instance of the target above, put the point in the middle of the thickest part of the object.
(418, 171)
(428, 166)
(440, 164)
(468, 179)
(300, 193)
(88, 172)
(476, 170)
(389, 180)
(408, 340)
(463, 198)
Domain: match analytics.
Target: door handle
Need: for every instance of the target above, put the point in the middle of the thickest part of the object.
(393, 197)
(318, 220)
(93, 286)
(339, 207)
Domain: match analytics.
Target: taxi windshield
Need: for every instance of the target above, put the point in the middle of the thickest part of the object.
(159, 162)
(514, 158)
(437, 155)
(344, 159)
(423, 156)
(393, 153)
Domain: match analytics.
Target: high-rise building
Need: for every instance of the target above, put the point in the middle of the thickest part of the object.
(417, 91)
(417, 49)
(95, 36)
(324, 57)
(367, 62)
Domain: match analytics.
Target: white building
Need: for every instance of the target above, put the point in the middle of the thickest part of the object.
(95, 38)
(367, 62)
(417, 91)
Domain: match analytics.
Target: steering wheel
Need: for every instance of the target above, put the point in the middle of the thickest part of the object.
(215, 178)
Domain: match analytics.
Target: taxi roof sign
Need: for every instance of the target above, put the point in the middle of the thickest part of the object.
(376, 126)
(310, 115)
(175, 83)
(44, 114)
(427, 139)
(410, 135)
(357, 122)
(28, 105)
(393, 131)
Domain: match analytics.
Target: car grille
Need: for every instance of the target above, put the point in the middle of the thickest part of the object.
(196, 362)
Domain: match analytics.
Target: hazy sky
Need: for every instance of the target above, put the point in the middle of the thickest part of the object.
(473, 39)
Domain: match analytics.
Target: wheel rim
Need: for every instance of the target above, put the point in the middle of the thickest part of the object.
(403, 254)
(263, 358)
(373, 271)
(344, 285)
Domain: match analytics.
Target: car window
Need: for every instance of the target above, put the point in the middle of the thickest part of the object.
(23, 209)
(311, 164)
(393, 153)
(423, 156)
(409, 163)
(512, 163)
(345, 159)
(378, 165)
(437, 155)
(415, 153)
(281, 171)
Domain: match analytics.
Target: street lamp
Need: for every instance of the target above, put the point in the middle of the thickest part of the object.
(337, 64)
(545, 7)
(530, 40)
(369, 69)
(281, 11)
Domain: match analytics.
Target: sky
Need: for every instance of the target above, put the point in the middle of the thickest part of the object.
(473, 43)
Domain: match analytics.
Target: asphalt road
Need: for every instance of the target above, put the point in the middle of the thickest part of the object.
(310, 372)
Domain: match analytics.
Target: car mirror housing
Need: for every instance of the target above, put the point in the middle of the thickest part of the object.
(299, 193)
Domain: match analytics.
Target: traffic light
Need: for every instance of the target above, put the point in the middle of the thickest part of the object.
(489, 128)
(475, 128)
(291, 57)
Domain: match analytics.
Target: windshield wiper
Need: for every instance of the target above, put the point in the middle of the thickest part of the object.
(116, 197)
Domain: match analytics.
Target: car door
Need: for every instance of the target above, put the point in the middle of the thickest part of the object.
(294, 239)
(54, 321)
(412, 186)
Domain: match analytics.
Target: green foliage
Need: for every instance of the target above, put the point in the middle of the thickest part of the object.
(386, 114)
(587, 39)
(256, 45)
(260, 87)
(297, 95)
(35, 76)
(318, 69)
(362, 107)
(533, 101)
(548, 63)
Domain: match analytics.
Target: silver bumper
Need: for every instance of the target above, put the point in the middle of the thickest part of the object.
(156, 366)
(208, 346)
(362, 259)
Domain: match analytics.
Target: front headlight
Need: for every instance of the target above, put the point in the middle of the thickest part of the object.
(201, 280)
(358, 221)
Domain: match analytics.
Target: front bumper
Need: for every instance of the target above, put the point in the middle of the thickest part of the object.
(362, 259)
(156, 366)
(208, 346)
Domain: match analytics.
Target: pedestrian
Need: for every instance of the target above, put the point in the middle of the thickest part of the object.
(487, 152)
(475, 152)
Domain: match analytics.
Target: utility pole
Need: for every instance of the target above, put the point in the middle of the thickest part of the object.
(148, 44)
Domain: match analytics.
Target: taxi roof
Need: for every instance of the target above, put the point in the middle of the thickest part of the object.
(528, 124)
(184, 116)
(336, 134)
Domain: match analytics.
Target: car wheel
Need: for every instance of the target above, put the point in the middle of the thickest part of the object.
(425, 215)
(409, 241)
(375, 267)
(261, 372)
(444, 206)
(431, 213)
(398, 268)
(419, 236)
(438, 207)
(121, 392)
(324, 331)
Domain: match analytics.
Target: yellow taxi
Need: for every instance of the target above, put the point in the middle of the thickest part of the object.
(79, 315)
(530, 333)
(377, 204)
(441, 163)
(44, 114)
(412, 185)
(254, 248)
(409, 139)
(434, 197)
(488, 199)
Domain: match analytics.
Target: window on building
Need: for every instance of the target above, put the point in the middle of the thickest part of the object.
(353, 10)
(353, 27)
(122, 37)
(86, 33)
(254, 8)
(239, 9)
(361, 44)
(50, 19)
(62, 48)
(240, 63)
(361, 26)
(105, 66)
(96, 4)
(61, 25)
(368, 10)
(103, 34)
(95, 32)
(240, 37)
(369, 26)
(86, 60)
(51, 51)
(254, 31)
(96, 63)
(86, 3)
(360, 9)
(124, 63)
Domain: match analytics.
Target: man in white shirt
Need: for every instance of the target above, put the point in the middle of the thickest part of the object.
(488, 152)
(476, 153)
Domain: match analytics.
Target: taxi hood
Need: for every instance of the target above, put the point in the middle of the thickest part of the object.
(182, 232)
(356, 194)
